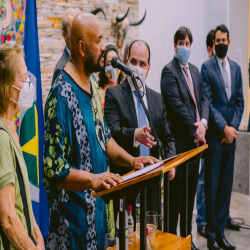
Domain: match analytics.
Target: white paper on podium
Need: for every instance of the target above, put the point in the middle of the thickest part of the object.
(146, 169)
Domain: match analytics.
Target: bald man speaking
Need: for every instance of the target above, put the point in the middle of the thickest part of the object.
(78, 145)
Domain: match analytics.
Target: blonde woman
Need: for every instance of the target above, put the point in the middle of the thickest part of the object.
(18, 228)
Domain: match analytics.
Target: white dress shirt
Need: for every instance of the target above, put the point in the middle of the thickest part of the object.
(227, 69)
(136, 144)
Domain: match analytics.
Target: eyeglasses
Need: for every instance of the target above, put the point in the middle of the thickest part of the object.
(28, 81)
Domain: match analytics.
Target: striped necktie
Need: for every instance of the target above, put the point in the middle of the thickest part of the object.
(190, 86)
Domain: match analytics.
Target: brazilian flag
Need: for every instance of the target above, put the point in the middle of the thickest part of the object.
(29, 141)
(31, 130)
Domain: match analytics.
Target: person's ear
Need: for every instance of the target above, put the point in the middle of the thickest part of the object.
(175, 48)
(229, 42)
(148, 69)
(81, 47)
(64, 35)
(213, 43)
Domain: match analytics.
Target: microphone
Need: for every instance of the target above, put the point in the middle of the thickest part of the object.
(116, 63)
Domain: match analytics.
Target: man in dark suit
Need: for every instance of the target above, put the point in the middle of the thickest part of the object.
(200, 196)
(188, 112)
(67, 20)
(128, 123)
(222, 82)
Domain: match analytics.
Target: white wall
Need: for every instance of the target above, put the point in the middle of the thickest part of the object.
(239, 36)
(164, 17)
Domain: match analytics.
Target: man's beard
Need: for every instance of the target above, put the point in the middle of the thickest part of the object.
(90, 64)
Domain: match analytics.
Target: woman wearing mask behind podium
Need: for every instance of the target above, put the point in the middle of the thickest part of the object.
(18, 228)
(109, 76)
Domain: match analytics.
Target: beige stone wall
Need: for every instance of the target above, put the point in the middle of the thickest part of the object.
(51, 43)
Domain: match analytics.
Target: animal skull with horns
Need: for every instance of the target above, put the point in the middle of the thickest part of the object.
(123, 24)
(97, 10)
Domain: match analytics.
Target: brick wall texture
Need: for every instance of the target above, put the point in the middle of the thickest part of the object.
(51, 43)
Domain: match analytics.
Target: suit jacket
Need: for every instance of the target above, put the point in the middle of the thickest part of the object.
(180, 104)
(60, 65)
(121, 118)
(222, 111)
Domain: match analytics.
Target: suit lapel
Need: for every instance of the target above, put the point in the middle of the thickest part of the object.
(150, 100)
(218, 72)
(127, 93)
(180, 73)
(233, 77)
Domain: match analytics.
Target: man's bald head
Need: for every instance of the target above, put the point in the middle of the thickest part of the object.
(67, 20)
(83, 28)
(139, 44)
(86, 41)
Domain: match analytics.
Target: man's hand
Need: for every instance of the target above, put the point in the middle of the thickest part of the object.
(172, 174)
(230, 133)
(141, 161)
(143, 137)
(200, 133)
(105, 180)
(224, 140)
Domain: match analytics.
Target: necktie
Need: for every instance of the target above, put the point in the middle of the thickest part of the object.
(142, 121)
(190, 86)
(225, 79)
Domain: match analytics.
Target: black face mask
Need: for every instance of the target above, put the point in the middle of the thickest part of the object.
(221, 50)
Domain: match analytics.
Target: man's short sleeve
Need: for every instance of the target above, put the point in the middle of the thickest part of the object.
(107, 131)
(7, 167)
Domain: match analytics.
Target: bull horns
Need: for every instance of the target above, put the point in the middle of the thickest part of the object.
(97, 10)
(120, 19)
(139, 22)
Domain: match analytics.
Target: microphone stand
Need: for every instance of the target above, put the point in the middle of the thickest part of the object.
(162, 155)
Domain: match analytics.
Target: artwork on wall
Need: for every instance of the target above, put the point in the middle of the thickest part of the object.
(12, 20)
(122, 28)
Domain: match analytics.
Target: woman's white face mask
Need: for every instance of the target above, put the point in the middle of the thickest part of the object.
(112, 73)
(26, 95)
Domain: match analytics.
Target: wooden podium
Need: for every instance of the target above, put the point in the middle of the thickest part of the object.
(163, 240)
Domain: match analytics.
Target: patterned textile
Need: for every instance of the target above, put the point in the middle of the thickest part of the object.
(12, 21)
(76, 136)
(16, 119)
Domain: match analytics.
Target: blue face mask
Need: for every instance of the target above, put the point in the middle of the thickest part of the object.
(183, 54)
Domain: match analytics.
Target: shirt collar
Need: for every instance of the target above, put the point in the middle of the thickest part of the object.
(220, 60)
(181, 65)
(186, 66)
(133, 87)
(67, 50)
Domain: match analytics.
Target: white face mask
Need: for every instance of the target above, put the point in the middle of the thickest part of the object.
(112, 73)
(26, 95)
(142, 73)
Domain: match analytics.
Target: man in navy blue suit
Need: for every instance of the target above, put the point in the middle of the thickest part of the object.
(222, 82)
(200, 196)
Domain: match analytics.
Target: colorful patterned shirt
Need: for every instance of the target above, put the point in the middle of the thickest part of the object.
(76, 136)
